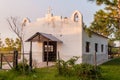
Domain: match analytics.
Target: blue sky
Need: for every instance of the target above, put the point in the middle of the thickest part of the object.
(34, 9)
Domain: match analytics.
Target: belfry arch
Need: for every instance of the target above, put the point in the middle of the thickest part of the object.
(76, 16)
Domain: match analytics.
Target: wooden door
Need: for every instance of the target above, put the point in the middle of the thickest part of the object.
(52, 50)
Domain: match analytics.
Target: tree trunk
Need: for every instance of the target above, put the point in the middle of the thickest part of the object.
(22, 52)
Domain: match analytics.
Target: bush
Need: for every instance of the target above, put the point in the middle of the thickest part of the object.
(87, 72)
(66, 67)
(22, 70)
(83, 71)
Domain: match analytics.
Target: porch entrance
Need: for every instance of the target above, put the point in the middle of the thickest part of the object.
(51, 49)
(49, 46)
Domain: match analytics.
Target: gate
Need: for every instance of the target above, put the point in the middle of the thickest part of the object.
(9, 59)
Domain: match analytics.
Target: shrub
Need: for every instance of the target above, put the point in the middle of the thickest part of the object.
(66, 67)
(87, 72)
(19, 69)
(22, 70)
(83, 71)
(72, 61)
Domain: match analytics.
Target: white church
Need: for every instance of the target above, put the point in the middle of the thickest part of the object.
(66, 35)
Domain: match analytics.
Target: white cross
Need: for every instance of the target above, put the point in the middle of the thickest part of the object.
(49, 10)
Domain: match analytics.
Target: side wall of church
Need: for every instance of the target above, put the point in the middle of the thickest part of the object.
(102, 55)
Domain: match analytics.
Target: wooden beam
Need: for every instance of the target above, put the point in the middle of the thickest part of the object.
(58, 62)
(30, 57)
(47, 51)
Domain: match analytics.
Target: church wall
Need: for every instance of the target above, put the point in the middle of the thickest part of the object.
(72, 42)
(89, 56)
(72, 35)
(66, 30)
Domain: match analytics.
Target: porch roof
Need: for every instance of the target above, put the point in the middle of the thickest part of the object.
(43, 37)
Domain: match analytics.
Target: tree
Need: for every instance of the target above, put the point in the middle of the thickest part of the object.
(0, 42)
(17, 28)
(111, 16)
(18, 44)
(103, 25)
(112, 8)
(10, 44)
(1, 45)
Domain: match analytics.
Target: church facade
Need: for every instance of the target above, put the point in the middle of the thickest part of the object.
(51, 35)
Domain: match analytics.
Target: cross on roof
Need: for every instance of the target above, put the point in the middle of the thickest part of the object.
(49, 10)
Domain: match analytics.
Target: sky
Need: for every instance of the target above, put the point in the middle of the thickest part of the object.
(34, 9)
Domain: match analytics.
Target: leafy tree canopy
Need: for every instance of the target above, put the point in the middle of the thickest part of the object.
(10, 44)
(106, 20)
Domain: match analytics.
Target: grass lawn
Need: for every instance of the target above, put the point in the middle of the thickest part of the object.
(110, 71)
(40, 74)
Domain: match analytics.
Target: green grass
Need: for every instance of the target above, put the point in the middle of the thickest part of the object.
(110, 71)
(39, 74)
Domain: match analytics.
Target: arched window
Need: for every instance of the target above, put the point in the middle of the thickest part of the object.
(76, 18)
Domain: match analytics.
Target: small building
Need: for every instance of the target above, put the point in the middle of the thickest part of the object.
(66, 35)
(116, 43)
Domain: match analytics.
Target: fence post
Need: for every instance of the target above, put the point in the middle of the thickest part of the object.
(1, 55)
(15, 59)
(59, 62)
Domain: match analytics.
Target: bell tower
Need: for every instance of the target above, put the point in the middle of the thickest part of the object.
(76, 16)
(49, 14)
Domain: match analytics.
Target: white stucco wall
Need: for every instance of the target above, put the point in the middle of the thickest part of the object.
(70, 32)
(89, 56)
(65, 29)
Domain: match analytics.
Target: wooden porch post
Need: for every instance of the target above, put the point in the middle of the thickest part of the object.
(47, 51)
(58, 62)
(30, 57)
